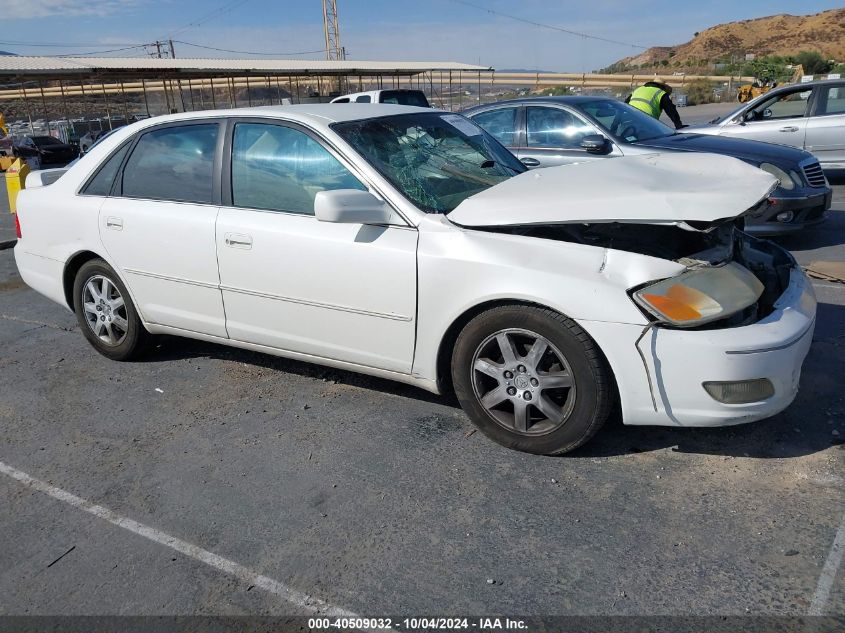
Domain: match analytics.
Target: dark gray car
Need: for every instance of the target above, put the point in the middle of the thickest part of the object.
(547, 131)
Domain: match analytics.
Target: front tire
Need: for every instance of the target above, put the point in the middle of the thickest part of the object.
(105, 312)
(531, 379)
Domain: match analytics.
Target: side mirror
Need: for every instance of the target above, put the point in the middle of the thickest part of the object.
(767, 113)
(595, 144)
(351, 206)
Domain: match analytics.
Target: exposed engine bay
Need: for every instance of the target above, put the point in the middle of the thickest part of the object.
(713, 245)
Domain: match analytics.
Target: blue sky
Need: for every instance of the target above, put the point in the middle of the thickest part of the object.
(427, 30)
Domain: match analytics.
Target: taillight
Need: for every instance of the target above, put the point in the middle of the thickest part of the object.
(18, 227)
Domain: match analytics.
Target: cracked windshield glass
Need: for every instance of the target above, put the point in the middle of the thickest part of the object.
(435, 160)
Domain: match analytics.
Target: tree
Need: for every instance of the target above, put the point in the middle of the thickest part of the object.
(813, 62)
(768, 68)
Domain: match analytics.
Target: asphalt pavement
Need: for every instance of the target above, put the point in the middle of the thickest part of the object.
(208, 480)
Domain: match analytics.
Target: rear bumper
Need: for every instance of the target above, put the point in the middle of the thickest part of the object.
(804, 211)
(42, 274)
(680, 361)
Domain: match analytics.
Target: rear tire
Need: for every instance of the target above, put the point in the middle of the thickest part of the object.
(106, 314)
(532, 379)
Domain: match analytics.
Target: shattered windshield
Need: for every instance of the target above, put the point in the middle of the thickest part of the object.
(436, 160)
(624, 122)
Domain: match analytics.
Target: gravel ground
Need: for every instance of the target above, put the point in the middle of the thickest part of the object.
(380, 498)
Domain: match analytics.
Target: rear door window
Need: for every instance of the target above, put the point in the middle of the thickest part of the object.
(500, 124)
(173, 163)
(831, 100)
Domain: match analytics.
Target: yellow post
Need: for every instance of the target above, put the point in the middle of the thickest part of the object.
(15, 181)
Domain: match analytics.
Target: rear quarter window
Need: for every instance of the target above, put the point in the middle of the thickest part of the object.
(102, 181)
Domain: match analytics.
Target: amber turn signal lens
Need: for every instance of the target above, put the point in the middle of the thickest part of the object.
(701, 295)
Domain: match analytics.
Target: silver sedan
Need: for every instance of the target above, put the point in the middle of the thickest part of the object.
(809, 116)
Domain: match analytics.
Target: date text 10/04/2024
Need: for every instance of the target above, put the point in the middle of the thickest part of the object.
(423, 623)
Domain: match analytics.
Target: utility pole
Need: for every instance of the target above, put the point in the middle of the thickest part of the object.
(172, 50)
(331, 30)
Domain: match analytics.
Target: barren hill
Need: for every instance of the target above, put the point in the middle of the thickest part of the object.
(773, 35)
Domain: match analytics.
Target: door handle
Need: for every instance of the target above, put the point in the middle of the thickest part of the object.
(789, 128)
(238, 240)
(114, 223)
(530, 162)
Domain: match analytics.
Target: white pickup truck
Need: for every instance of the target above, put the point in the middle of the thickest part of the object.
(399, 97)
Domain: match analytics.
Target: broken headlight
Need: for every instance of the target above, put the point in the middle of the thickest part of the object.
(701, 296)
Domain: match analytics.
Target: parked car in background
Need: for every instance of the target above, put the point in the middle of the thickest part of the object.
(6, 145)
(50, 150)
(88, 139)
(549, 131)
(398, 97)
(809, 116)
(409, 244)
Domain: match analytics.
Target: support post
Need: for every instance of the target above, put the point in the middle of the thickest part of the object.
(123, 104)
(146, 100)
(26, 107)
(44, 104)
(108, 108)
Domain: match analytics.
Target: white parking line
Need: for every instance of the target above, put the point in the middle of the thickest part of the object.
(828, 575)
(307, 603)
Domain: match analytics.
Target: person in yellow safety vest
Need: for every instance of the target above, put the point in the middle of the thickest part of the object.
(3, 127)
(653, 98)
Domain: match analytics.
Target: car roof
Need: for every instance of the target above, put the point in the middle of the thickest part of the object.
(807, 85)
(572, 99)
(315, 113)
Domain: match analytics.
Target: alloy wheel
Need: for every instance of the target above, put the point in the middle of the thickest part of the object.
(523, 381)
(105, 310)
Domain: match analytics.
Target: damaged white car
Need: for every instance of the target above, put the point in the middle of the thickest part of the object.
(408, 244)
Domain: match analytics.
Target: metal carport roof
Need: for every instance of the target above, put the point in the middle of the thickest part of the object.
(23, 67)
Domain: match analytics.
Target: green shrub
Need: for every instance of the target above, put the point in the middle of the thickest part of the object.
(700, 91)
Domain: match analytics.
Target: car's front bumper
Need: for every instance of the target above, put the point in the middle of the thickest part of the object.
(664, 385)
(801, 212)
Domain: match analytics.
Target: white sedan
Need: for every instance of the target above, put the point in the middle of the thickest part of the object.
(407, 243)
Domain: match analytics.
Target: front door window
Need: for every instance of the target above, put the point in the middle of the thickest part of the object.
(278, 168)
(554, 128)
(788, 105)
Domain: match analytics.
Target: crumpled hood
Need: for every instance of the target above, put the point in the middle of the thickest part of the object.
(672, 188)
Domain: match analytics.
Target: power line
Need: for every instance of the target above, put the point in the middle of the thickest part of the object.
(548, 26)
(60, 45)
(229, 6)
(113, 50)
(229, 50)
